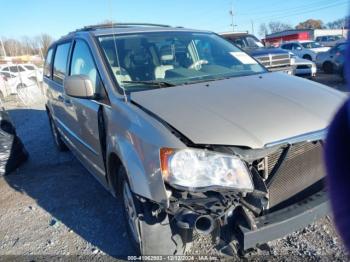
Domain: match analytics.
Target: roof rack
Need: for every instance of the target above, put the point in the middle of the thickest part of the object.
(117, 25)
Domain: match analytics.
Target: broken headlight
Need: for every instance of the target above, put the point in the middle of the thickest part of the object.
(201, 169)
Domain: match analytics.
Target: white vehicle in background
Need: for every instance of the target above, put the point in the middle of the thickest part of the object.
(305, 49)
(14, 82)
(330, 40)
(23, 70)
(303, 67)
(4, 89)
(36, 71)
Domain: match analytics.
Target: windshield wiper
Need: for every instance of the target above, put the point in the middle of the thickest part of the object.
(157, 83)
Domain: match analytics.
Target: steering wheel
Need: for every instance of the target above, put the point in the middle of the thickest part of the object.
(196, 65)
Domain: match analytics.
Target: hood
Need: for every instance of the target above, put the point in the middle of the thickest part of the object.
(302, 61)
(320, 49)
(247, 111)
(266, 51)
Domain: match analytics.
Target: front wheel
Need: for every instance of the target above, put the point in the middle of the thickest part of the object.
(328, 67)
(149, 234)
(308, 57)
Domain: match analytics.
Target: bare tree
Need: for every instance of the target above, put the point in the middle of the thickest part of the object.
(263, 30)
(45, 41)
(339, 23)
(276, 26)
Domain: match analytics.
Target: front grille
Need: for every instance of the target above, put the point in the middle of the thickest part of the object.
(274, 60)
(301, 168)
(303, 66)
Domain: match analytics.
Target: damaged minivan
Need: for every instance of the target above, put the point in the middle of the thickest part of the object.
(191, 133)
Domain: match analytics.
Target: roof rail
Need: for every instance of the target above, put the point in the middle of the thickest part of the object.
(117, 25)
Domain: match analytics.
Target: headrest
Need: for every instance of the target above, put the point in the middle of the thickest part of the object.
(166, 54)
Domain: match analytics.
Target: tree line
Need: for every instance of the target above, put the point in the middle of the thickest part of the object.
(277, 26)
(37, 45)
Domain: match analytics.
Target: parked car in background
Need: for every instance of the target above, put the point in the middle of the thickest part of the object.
(303, 67)
(14, 82)
(330, 40)
(23, 70)
(339, 61)
(37, 73)
(274, 59)
(326, 60)
(191, 133)
(305, 49)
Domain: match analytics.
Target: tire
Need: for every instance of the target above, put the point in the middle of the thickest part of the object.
(308, 57)
(328, 67)
(61, 146)
(148, 234)
(343, 74)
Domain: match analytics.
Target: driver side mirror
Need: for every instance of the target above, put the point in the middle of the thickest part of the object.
(79, 86)
(298, 48)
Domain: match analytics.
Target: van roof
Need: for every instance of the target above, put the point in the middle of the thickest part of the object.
(122, 28)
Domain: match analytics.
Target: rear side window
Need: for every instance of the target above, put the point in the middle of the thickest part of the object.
(16, 69)
(287, 46)
(29, 67)
(60, 63)
(48, 63)
(83, 64)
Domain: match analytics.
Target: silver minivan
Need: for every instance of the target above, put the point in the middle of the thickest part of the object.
(193, 134)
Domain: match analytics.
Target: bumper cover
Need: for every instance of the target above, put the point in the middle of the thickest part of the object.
(284, 221)
(286, 69)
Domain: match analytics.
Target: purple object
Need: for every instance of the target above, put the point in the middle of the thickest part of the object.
(337, 153)
(338, 170)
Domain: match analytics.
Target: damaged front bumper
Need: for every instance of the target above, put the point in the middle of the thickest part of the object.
(237, 229)
(284, 221)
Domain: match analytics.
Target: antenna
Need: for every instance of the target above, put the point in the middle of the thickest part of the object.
(232, 14)
(121, 84)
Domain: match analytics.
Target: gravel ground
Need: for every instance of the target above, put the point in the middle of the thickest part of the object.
(51, 206)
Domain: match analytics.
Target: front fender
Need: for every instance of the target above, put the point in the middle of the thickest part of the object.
(136, 138)
(144, 176)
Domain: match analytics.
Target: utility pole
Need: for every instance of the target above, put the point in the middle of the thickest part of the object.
(252, 22)
(3, 47)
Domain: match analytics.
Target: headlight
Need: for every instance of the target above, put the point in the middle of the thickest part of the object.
(292, 61)
(201, 169)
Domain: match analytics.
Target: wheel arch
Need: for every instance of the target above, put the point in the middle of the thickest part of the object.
(147, 184)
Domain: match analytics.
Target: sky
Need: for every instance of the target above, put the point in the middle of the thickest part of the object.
(20, 18)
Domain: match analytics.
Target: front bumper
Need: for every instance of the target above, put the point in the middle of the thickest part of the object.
(284, 221)
(285, 69)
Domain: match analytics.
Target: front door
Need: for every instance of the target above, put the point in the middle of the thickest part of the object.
(83, 114)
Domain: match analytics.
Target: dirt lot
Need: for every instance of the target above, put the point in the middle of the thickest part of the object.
(53, 206)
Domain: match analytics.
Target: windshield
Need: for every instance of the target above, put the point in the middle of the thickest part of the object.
(311, 45)
(138, 61)
(253, 42)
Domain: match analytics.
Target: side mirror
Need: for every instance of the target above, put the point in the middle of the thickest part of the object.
(79, 86)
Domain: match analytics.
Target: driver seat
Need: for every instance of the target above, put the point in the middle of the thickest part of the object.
(166, 62)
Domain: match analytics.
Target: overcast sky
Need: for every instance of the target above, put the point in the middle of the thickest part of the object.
(58, 17)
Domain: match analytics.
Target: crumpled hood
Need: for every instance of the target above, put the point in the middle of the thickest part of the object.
(247, 111)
